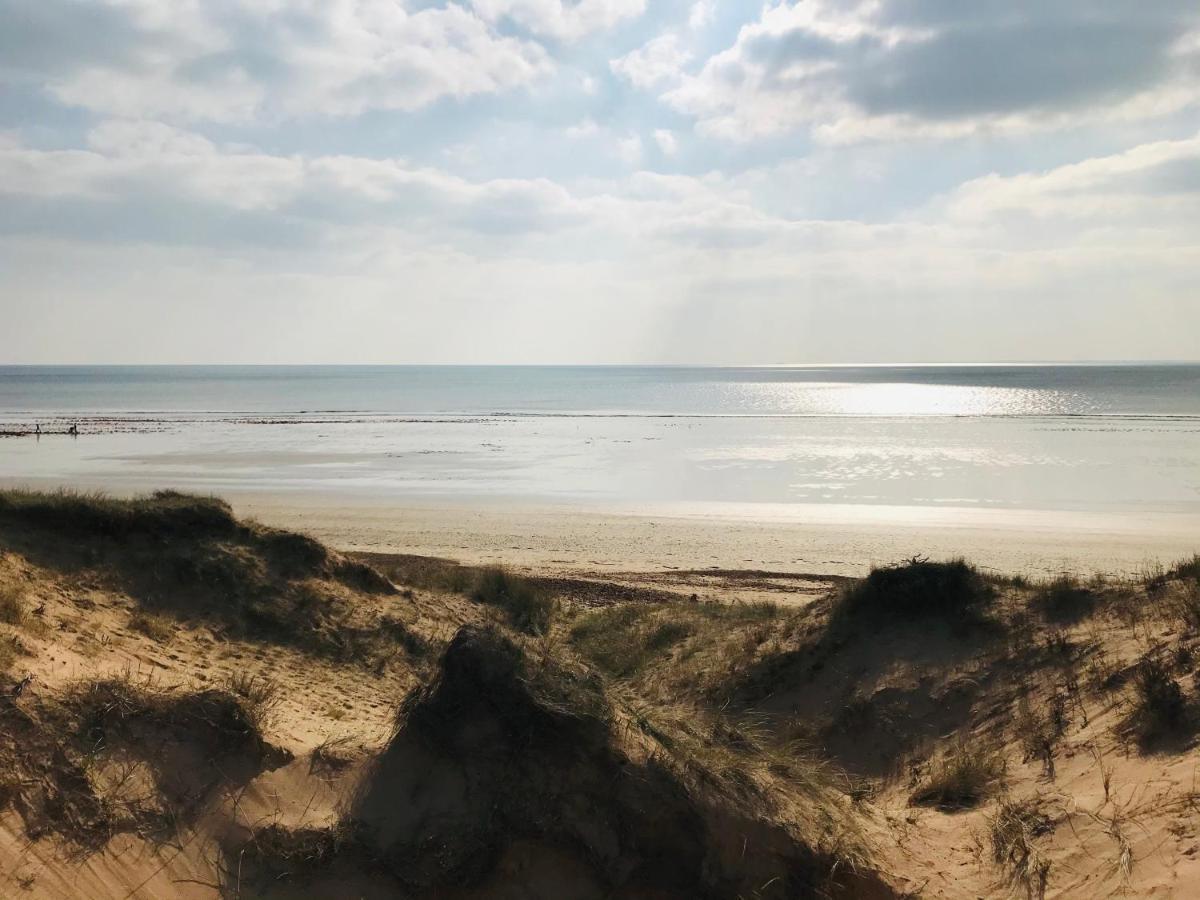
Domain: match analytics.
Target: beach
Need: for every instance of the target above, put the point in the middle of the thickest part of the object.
(822, 470)
(822, 540)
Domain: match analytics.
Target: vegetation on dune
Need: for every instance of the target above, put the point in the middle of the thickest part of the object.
(67, 764)
(919, 588)
(627, 639)
(158, 628)
(1013, 832)
(163, 514)
(1064, 599)
(1159, 710)
(1186, 570)
(12, 604)
(961, 779)
(529, 608)
(189, 558)
(698, 749)
(658, 809)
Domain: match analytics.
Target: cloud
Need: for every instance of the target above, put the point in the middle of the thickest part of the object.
(560, 19)
(654, 65)
(239, 60)
(701, 13)
(1151, 186)
(545, 271)
(853, 68)
(630, 149)
(148, 182)
(584, 128)
(666, 140)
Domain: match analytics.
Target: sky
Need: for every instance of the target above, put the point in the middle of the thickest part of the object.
(598, 181)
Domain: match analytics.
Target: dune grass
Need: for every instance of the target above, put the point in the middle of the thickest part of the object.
(528, 607)
(187, 558)
(159, 629)
(163, 513)
(961, 779)
(1159, 710)
(1063, 599)
(626, 639)
(1013, 831)
(917, 589)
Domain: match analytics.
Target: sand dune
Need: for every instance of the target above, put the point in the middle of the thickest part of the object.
(195, 706)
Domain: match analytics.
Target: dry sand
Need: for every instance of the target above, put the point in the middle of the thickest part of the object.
(816, 539)
(1113, 820)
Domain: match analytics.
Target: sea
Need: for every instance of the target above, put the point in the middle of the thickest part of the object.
(1115, 438)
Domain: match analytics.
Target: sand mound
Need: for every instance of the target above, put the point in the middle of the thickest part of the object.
(514, 777)
(112, 758)
(189, 558)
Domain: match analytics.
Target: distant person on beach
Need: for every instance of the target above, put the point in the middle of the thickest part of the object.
(73, 430)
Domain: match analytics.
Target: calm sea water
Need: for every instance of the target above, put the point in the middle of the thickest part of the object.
(1116, 438)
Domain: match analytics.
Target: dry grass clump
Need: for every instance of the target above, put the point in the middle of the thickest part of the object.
(919, 588)
(528, 607)
(332, 756)
(627, 639)
(12, 604)
(117, 708)
(1183, 605)
(426, 573)
(162, 514)
(158, 628)
(259, 696)
(1013, 832)
(609, 638)
(961, 779)
(115, 756)
(1159, 709)
(1064, 599)
(1186, 570)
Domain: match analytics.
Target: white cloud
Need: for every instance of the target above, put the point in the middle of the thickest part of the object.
(560, 19)
(696, 256)
(584, 128)
(658, 63)
(242, 60)
(666, 140)
(854, 69)
(1155, 185)
(701, 13)
(630, 149)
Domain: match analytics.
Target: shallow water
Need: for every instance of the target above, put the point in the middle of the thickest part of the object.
(1111, 438)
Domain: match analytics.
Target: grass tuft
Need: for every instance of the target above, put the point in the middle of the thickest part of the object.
(1014, 830)
(1159, 710)
(259, 696)
(12, 604)
(158, 628)
(529, 608)
(1064, 599)
(961, 779)
(919, 588)
(1186, 570)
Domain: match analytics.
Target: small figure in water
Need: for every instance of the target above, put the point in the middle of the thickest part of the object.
(73, 430)
(37, 429)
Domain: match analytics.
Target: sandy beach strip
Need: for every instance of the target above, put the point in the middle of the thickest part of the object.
(817, 539)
